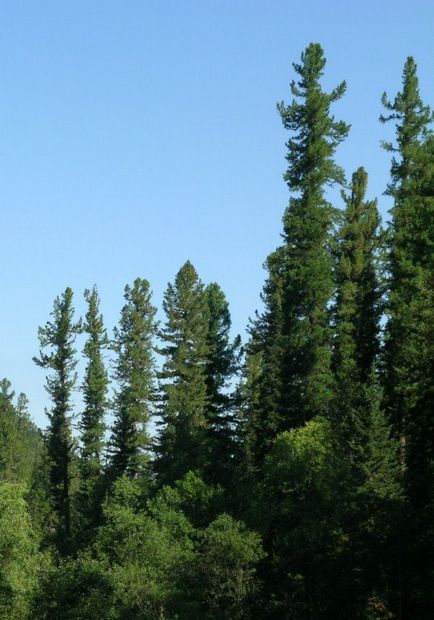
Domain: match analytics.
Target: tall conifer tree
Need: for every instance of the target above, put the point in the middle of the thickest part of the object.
(92, 424)
(222, 366)
(410, 248)
(307, 228)
(183, 440)
(293, 331)
(57, 354)
(264, 370)
(409, 349)
(357, 312)
(135, 374)
(361, 430)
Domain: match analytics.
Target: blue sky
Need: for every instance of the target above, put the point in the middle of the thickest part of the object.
(135, 135)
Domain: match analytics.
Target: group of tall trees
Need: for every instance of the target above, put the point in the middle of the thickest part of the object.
(289, 478)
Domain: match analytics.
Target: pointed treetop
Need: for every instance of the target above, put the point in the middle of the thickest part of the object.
(412, 118)
(316, 132)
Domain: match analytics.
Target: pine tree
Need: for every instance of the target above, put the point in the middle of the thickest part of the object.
(183, 438)
(357, 314)
(307, 227)
(410, 248)
(134, 371)
(57, 354)
(294, 331)
(409, 351)
(264, 371)
(361, 430)
(92, 425)
(222, 365)
(420, 431)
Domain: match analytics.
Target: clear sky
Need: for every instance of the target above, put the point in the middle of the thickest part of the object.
(137, 134)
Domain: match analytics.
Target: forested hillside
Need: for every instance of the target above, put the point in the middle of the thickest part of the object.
(289, 476)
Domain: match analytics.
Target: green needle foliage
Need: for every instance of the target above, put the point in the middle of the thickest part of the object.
(222, 366)
(361, 430)
(359, 303)
(409, 350)
(134, 371)
(92, 425)
(57, 354)
(265, 373)
(357, 314)
(293, 334)
(307, 224)
(183, 438)
(410, 246)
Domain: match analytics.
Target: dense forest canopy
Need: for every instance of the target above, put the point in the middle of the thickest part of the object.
(287, 477)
